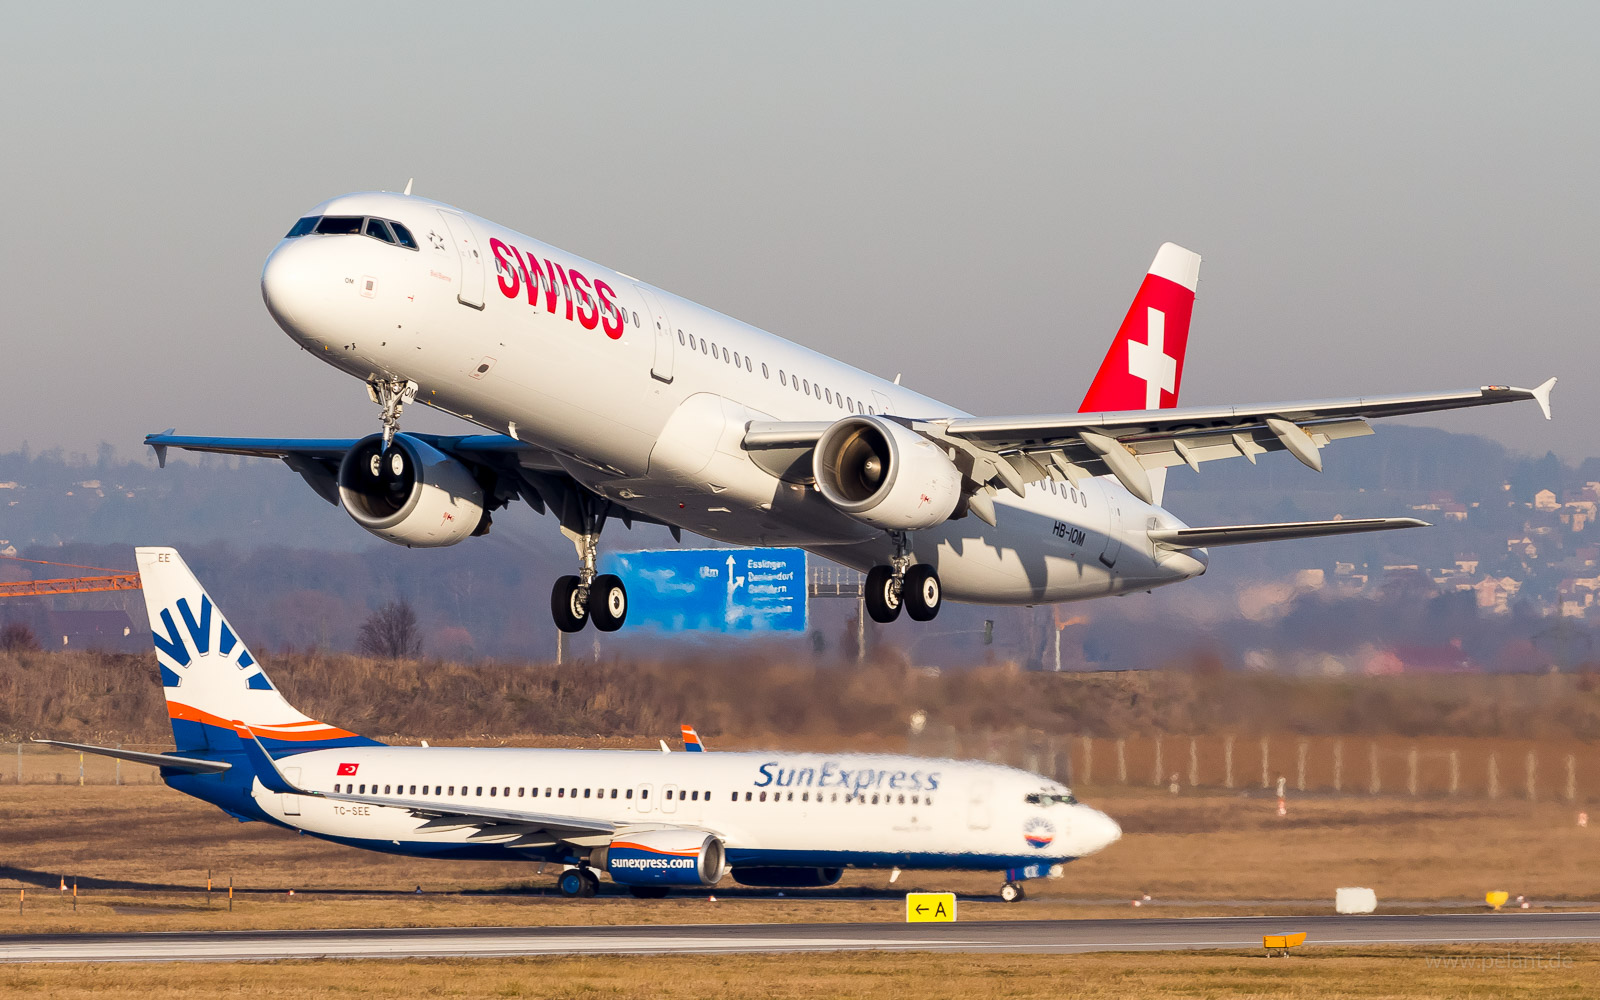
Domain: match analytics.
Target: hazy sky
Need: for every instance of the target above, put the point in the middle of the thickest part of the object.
(1389, 197)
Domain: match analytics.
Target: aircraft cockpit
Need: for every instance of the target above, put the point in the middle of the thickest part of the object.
(382, 230)
(1051, 798)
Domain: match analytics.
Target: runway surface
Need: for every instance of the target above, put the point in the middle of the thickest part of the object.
(1022, 936)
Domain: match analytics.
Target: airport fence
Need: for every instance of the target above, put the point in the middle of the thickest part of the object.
(1534, 770)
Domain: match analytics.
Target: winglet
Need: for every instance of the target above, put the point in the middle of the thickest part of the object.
(1542, 395)
(261, 762)
(160, 449)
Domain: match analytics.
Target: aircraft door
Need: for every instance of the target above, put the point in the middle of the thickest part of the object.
(656, 317)
(881, 400)
(669, 798)
(291, 803)
(978, 805)
(1113, 528)
(462, 238)
(641, 798)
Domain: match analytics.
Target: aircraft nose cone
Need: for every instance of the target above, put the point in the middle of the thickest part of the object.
(1098, 831)
(299, 285)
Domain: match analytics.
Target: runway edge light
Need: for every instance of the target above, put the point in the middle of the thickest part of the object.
(927, 907)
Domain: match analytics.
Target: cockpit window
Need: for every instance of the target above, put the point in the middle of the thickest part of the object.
(1050, 799)
(339, 225)
(392, 233)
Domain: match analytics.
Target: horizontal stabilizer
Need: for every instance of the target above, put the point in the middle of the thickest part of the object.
(190, 764)
(1239, 534)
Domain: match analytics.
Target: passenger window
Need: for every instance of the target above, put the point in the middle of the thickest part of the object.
(669, 793)
(805, 796)
(302, 227)
(850, 404)
(574, 793)
(586, 793)
(704, 348)
(783, 379)
(561, 793)
(379, 230)
(336, 787)
(492, 791)
(735, 797)
(807, 383)
(746, 796)
(694, 796)
(414, 790)
(613, 793)
(735, 359)
(829, 394)
(763, 797)
(724, 355)
(452, 789)
(480, 791)
(339, 225)
(764, 373)
(520, 790)
(403, 236)
(635, 319)
(644, 793)
(680, 337)
(871, 410)
(747, 365)
(628, 794)
(363, 788)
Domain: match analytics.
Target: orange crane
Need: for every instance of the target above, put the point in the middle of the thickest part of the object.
(68, 585)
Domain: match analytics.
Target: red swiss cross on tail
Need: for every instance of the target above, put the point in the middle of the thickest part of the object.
(1144, 368)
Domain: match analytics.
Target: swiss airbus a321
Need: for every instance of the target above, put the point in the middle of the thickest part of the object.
(610, 399)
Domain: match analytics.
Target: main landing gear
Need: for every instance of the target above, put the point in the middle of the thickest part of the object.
(589, 596)
(902, 585)
(1012, 892)
(578, 883)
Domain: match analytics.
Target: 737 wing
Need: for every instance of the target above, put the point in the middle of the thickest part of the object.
(1012, 451)
(512, 828)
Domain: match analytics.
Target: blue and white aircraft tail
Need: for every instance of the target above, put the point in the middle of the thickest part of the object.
(647, 821)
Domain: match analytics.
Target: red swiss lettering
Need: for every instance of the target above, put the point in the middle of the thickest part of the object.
(588, 313)
(609, 310)
(502, 268)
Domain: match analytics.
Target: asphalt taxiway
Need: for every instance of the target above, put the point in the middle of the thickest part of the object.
(1021, 936)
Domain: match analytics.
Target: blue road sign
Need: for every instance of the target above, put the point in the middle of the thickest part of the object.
(719, 590)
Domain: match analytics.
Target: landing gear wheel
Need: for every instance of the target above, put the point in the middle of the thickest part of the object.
(883, 595)
(1011, 892)
(568, 610)
(648, 891)
(608, 603)
(577, 883)
(922, 593)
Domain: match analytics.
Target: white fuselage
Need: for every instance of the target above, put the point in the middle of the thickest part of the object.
(767, 808)
(651, 411)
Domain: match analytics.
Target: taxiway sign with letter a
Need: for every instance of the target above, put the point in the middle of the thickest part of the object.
(922, 907)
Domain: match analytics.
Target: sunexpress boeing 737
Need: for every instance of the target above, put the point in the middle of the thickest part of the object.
(612, 399)
(646, 820)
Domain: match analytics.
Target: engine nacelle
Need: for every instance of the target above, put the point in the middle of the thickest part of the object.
(664, 857)
(787, 878)
(883, 474)
(412, 494)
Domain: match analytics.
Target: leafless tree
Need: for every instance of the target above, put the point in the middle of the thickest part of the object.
(392, 632)
(18, 638)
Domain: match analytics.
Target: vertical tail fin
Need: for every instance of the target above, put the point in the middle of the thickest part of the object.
(208, 675)
(691, 740)
(1143, 370)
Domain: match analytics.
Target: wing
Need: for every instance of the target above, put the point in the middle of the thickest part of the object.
(1014, 451)
(515, 468)
(1017, 450)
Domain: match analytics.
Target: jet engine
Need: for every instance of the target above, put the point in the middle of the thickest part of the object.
(787, 878)
(663, 857)
(412, 494)
(883, 474)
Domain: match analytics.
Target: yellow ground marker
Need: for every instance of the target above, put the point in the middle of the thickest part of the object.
(923, 907)
(1279, 944)
(1496, 899)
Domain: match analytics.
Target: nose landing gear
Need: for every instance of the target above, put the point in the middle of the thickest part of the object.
(391, 395)
(902, 585)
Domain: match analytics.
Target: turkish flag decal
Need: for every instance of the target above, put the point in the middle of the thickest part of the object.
(348, 769)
